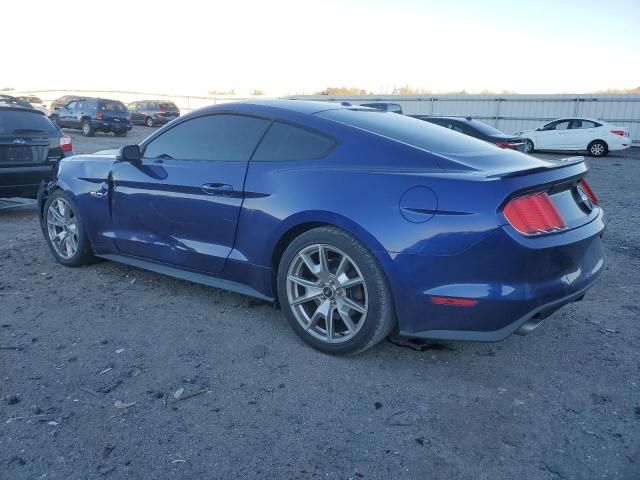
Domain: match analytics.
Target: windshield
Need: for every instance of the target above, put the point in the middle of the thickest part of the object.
(408, 130)
(14, 122)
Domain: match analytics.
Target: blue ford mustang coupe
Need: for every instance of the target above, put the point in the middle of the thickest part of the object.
(355, 221)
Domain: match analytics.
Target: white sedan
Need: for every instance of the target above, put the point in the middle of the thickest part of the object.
(595, 136)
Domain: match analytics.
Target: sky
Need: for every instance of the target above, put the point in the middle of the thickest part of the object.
(294, 47)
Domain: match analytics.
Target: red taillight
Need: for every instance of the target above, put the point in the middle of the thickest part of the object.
(162, 110)
(618, 132)
(99, 116)
(454, 302)
(587, 189)
(533, 214)
(506, 145)
(65, 143)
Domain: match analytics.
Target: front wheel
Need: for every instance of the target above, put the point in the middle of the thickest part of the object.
(64, 231)
(598, 148)
(528, 146)
(334, 293)
(149, 122)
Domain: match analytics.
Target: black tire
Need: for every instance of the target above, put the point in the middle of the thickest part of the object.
(87, 128)
(149, 122)
(529, 147)
(83, 254)
(121, 134)
(598, 148)
(379, 319)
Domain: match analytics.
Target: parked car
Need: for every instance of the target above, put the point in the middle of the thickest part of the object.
(459, 239)
(384, 106)
(30, 148)
(35, 102)
(597, 137)
(477, 129)
(94, 114)
(153, 112)
(11, 100)
(59, 103)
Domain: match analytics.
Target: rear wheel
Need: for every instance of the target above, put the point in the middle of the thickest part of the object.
(334, 293)
(64, 231)
(149, 122)
(87, 128)
(528, 146)
(598, 148)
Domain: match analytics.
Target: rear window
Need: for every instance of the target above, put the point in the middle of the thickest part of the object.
(112, 106)
(484, 128)
(168, 106)
(14, 122)
(408, 130)
(284, 142)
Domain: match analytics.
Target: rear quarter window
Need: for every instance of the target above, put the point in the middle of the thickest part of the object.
(285, 142)
(411, 131)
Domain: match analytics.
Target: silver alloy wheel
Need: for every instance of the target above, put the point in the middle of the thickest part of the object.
(62, 228)
(149, 122)
(86, 128)
(528, 146)
(597, 149)
(327, 293)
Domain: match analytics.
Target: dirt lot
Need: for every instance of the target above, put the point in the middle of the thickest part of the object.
(91, 358)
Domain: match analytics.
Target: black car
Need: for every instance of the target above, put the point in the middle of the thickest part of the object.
(477, 129)
(59, 103)
(384, 106)
(94, 114)
(30, 148)
(153, 112)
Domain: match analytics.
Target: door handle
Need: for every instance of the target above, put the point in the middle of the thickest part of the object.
(219, 189)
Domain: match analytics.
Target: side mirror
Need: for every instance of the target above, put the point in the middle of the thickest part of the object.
(130, 153)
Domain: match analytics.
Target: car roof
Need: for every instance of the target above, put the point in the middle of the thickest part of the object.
(18, 108)
(299, 106)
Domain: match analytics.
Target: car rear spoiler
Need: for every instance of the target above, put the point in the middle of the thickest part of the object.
(554, 164)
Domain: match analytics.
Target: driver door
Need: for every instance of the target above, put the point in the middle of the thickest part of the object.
(553, 136)
(181, 205)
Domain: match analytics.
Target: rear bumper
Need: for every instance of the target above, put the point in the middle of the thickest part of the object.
(516, 282)
(23, 181)
(162, 120)
(110, 126)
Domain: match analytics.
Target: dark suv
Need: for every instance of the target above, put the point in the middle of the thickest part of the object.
(94, 114)
(153, 112)
(30, 148)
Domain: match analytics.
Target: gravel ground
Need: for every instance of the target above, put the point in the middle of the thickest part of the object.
(91, 359)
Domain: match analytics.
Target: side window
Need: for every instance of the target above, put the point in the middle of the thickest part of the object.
(80, 105)
(588, 124)
(562, 125)
(71, 105)
(284, 142)
(151, 106)
(222, 137)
